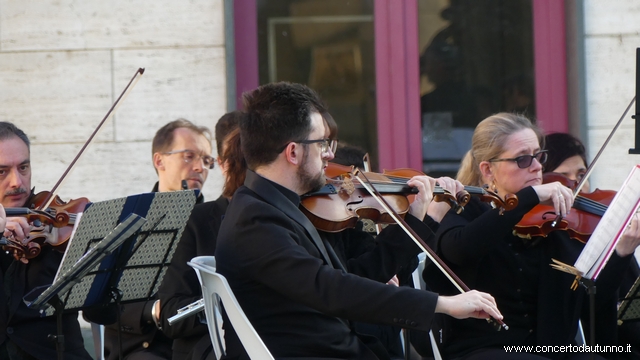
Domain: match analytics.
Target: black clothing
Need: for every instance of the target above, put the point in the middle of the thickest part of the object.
(535, 300)
(629, 331)
(180, 286)
(292, 285)
(349, 245)
(25, 327)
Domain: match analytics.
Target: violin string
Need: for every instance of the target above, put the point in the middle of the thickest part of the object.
(589, 205)
(591, 202)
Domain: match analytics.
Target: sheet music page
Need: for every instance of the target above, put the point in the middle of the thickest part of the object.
(602, 242)
(73, 232)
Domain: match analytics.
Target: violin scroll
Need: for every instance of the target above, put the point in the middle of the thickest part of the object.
(52, 226)
(509, 202)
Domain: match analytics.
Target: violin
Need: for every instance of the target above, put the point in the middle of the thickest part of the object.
(587, 210)
(509, 202)
(588, 207)
(60, 216)
(341, 202)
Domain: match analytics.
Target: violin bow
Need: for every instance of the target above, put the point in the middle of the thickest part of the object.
(455, 280)
(606, 142)
(54, 190)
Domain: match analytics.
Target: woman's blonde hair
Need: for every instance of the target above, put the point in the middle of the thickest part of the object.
(488, 142)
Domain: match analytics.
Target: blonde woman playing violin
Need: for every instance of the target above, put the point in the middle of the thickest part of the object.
(507, 154)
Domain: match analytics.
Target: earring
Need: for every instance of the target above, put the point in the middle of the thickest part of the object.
(494, 188)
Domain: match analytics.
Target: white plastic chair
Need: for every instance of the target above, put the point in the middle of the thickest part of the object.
(97, 332)
(418, 283)
(215, 289)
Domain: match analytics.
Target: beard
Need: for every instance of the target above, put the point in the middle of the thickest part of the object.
(308, 181)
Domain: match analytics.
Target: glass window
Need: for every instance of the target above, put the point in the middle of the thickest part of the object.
(476, 59)
(329, 46)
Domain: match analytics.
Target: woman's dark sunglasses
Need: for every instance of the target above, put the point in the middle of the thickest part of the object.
(524, 161)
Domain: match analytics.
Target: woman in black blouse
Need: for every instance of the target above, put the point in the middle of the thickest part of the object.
(479, 246)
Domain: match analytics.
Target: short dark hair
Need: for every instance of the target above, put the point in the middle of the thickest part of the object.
(331, 123)
(8, 130)
(276, 114)
(227, 123)
(164, 136)
(560, 147)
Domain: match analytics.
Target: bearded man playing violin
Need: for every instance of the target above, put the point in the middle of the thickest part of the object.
(480, 245)
(24, 334)
(290, 283)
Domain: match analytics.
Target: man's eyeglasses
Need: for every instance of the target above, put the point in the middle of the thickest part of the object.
(524, 161)
(189, 156)
(325, 145)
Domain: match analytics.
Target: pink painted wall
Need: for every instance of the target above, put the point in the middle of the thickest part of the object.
(397, 84)
(245, 28)
(550, 65)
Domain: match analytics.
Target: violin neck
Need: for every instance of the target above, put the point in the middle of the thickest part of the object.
(590, 206)
(392, 188)
(20, 211)
(475, 190)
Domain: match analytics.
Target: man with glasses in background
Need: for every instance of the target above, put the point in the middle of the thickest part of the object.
(181, 152)
(182, 159)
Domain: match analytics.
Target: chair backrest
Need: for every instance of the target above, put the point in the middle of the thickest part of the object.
(214, 289)
(418, 283)
(97, 332)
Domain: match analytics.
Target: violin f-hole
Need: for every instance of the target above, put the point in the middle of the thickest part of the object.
(357, 201)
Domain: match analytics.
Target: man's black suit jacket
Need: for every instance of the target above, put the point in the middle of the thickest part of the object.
(284, 278)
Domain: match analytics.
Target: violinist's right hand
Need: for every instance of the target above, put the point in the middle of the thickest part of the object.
(16, 227)
(556, 195)
(471, 304)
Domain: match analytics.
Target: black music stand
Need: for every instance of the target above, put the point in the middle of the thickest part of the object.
(629, 308)
(121, 246)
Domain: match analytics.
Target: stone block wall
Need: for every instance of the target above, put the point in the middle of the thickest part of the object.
(612, 35)
(63, 63)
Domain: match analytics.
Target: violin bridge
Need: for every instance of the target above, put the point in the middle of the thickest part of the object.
(348, 186)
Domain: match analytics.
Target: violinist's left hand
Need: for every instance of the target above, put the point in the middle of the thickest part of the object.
(425, 186)
(17, 228)
(438, 209)
(49, 233)
(630, 238)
